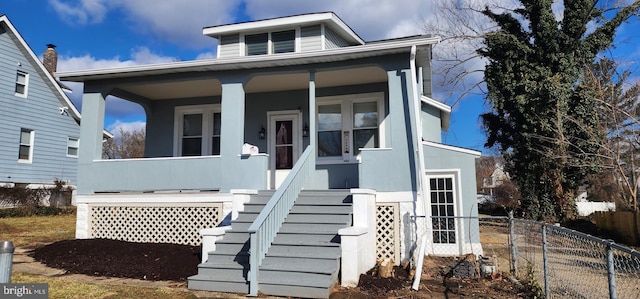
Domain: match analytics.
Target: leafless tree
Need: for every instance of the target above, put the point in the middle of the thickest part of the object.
(126, 144)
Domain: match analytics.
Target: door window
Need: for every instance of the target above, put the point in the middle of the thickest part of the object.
(442, 210)
(284, 144)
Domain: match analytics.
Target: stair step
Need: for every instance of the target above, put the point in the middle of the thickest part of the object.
(230, 248)
(310, 209)
(311, 228)
(295, 291)
(205, 283)
(318, 200)
(320, 252)
(295, 279)
(234, 237)
(223, 274)
(331, 240)
(303, 265)
(319, 218)
(215, 258)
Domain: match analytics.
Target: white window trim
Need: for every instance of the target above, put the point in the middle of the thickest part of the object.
(32, 135)
(347, 102)
(26, 84)
(207, 112)
(77, 147)
(297, 41)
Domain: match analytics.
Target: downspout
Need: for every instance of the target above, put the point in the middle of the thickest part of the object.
(420, 204)
(421, 197)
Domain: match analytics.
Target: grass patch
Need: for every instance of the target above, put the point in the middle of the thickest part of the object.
(24, 231)
(59, 287)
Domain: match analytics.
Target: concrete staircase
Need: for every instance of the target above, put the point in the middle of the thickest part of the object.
(304, 259)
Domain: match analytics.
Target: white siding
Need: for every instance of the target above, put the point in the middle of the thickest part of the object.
(333, 40)
(310, 38)
(229, 46)
(39, 112)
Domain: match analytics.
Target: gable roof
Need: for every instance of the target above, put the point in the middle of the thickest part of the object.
(42, 71)
(329, 18)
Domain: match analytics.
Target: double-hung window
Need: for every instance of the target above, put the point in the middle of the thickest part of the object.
(197, 130)
(270, 43)
(73, 144)
(25, 152)
(346, 124)
(22, 84)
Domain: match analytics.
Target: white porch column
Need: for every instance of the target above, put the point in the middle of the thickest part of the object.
(91, 129)
(232, 133)
(313, 136)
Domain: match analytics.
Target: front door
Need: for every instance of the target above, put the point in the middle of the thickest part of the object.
(285, 144)
(444, 224)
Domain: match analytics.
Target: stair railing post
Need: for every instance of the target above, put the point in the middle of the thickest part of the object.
(253, 266)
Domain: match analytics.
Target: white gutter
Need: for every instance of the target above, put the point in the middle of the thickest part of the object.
(420, 204)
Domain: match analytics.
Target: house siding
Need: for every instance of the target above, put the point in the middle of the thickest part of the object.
(39, 112)
(333, 40)
(430, 122)
(229, 46)
(311, 38)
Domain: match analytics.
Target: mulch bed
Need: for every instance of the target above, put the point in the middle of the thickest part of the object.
(112, 258)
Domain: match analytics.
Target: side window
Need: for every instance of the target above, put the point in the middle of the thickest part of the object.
(72, 147)
(365, 126)
(329, 130)
(25, 152)
(22, 83)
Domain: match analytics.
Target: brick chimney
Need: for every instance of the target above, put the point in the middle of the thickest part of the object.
(50, 58)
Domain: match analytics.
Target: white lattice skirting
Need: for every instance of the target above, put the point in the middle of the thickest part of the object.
(178, 224)
(388, 232)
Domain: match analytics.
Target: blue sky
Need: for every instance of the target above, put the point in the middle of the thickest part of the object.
(94, 34)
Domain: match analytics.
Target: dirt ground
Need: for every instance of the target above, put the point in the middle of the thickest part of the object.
(441, 277)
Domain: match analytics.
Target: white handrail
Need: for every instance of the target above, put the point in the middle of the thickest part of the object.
(264, 229)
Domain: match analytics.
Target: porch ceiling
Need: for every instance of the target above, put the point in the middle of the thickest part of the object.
(261, 83)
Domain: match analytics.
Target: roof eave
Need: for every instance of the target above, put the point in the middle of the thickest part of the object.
(245, 62)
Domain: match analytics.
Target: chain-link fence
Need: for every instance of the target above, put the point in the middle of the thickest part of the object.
(571, 264)
(564, 263)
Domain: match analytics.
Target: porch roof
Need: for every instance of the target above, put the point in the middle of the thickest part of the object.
(394, 46)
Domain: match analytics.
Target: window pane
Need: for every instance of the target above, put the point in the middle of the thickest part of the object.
(25, 137)
(73, 142)
(283, 41)
(216, 124)
(19, 89)
(256, 44)
(215, 146)
(284, 157)
(284, 132)
(24, 152)
(365, 115)
(21, 78)
(72, 151)
(329, 144)
(329, 117)
(191, 146)
(192, 125)
(366, 138)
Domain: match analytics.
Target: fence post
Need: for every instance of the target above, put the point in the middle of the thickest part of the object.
(6, 261)
(611, 270)
(545, 261)
(512, 245)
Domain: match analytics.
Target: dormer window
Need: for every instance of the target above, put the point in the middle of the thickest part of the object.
(283, 41)
(256, 44)
(270, 43)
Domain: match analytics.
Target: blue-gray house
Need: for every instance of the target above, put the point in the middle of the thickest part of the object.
(299, 155)
(39, 126)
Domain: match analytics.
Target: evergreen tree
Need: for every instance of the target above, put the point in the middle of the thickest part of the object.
(539, 119)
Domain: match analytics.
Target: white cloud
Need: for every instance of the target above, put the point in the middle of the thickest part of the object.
(87, 11)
